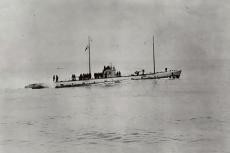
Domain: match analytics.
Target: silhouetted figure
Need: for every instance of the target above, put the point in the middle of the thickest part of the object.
(73, 77)
(166, 69)
(56, 78)
(143, 72)
(118, 74)
(173, 76)
(53, 78)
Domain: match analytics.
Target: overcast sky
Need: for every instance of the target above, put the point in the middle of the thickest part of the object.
(36, 34)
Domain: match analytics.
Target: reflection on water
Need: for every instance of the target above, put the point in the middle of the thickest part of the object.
(185, 115)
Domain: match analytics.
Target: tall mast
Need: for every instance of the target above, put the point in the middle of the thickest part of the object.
(89, 56)
(153, 57)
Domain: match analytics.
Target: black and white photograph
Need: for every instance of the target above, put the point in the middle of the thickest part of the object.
(114, 76)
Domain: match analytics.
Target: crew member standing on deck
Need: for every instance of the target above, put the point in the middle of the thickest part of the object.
(166, 69)
(56, 78)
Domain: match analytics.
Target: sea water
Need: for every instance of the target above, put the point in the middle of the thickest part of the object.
(190, 114)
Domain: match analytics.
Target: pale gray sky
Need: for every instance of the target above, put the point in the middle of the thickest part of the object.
(40, 35)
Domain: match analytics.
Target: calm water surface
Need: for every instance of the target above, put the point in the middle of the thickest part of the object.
(186, 115)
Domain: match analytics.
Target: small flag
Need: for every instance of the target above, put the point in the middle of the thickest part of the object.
(87, 47)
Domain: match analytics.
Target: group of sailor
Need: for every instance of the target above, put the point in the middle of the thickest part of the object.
(87, 76)
(106, 68)
(74, 77)
(118, 74)
(137, 72)
(84, 76)
(55, 78)
(98, 75)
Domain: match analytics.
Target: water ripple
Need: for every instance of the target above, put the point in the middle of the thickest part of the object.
(92, 137)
